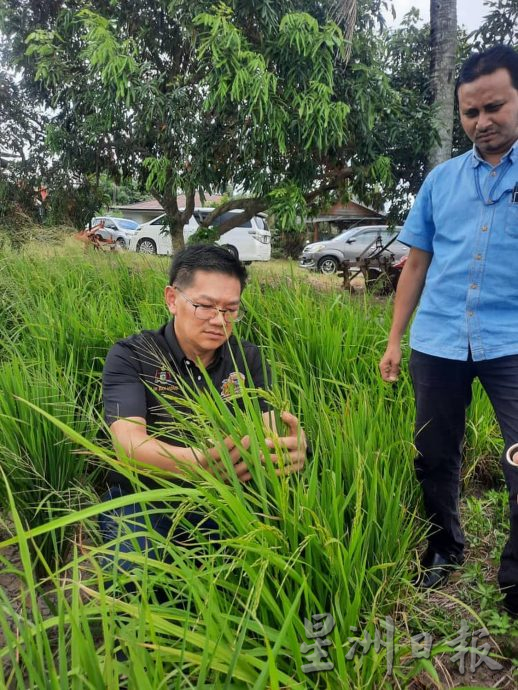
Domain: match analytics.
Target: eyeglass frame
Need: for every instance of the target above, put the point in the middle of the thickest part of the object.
(207, 306)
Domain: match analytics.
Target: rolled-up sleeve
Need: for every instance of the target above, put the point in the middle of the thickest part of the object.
(124, 394)
(419, 228)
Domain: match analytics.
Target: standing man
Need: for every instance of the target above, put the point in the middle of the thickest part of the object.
(204, 298)
(462, 266)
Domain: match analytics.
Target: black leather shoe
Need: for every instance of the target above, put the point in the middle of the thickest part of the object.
(510, 606)
(510, 601)
(435, 573)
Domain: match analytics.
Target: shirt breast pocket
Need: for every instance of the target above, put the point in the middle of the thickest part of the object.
(511, 220)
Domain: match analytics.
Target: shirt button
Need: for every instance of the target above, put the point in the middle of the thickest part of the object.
(478, 257)
(199, 378)
(470, 313)
(493, 173)
(484, 228)
(473, 286)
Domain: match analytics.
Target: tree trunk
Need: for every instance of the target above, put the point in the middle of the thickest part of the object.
(176, 218)
(344, 13)
(443, 46)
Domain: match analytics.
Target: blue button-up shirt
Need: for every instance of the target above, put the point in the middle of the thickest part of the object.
(466, 214)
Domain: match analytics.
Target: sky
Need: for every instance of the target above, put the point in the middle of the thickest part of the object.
(470, 13)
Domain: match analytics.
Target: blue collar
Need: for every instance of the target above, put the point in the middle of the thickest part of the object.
(512, 155)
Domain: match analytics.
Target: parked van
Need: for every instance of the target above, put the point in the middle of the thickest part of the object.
(249, 242)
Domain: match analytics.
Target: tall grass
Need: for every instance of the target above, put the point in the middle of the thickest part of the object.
(45, 470)
(337, 539)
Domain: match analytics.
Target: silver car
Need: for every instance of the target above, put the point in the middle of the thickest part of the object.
(363, 241)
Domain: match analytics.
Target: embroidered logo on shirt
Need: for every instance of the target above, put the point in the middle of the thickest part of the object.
(164, 381)
(233, 384)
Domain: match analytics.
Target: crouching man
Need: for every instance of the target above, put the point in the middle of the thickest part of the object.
(204, 298)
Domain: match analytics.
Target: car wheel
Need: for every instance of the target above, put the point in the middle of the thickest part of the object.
(120, 243)
(230, 248)
(146, 246)
(328, 265)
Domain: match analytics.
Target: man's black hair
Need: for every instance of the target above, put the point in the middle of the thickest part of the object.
(204, 257)
(487, 62)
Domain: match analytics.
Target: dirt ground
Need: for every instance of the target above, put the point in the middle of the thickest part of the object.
(475, 600)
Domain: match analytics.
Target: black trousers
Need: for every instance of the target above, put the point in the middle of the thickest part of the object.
(442, 389)
(129, 526)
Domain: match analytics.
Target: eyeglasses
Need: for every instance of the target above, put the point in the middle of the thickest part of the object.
(204, 312)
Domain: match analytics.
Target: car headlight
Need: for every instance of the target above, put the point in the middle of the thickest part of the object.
(314, 248)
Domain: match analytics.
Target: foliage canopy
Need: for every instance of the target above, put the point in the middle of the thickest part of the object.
(280, 101)
(256, 96)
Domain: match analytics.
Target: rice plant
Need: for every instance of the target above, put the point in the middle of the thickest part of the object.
(338, 539)
(45, 470)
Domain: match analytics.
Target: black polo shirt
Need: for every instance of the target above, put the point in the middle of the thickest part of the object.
(153, 362)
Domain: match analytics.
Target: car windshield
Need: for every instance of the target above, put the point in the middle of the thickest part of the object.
(342, 236)
(127, 224)
(369, 230)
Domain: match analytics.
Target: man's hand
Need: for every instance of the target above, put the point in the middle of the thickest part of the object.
(409, 288)
(389, 363)
(292, 460)
(294, 443)
(213, 462)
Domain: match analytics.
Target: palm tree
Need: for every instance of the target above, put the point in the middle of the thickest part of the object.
(443, 46)
(343, 12)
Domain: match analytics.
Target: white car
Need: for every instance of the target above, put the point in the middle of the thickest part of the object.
(249, 242)
(118, 230)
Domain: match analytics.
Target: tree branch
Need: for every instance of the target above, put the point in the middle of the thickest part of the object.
(252, 206)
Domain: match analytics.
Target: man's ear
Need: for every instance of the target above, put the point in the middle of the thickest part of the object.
(170, 298)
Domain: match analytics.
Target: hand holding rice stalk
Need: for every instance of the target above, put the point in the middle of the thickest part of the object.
(286, 454)
(233, 437)
(213, 461)
(290, 450)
